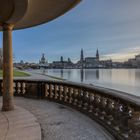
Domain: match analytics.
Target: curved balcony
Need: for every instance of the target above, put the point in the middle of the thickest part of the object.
(117, 112)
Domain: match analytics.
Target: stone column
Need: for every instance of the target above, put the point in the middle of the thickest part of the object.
(8, 103)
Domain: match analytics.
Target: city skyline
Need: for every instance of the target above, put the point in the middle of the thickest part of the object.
(110, 26)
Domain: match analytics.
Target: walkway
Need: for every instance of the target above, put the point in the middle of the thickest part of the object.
(19, 124)
(62, 123)
(57, 123)
(36, 76)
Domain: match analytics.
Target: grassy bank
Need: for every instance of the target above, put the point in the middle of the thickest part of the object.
(17, 74)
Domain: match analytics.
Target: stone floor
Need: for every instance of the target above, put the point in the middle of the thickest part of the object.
(19, 124)
(63, 123)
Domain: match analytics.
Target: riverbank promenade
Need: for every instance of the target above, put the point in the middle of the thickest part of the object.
(43, 120)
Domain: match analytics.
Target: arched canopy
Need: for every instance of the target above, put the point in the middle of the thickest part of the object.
(28, 13)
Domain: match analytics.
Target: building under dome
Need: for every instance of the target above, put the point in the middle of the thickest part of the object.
(43, 62)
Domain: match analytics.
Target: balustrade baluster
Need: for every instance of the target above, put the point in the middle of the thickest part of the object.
(80, 97)
(134, 125)
(102, 106)
(116, 115)
(65, 94)
(108, 109)
(46, 90)
(15, 88)
(50, 91)
(19, 85)
(69, 95)
(22, 88)
(96, 104)
(60, 92)
(90, 102)
(125, 116)
(75, 96)
(55, 92)
(85, 99)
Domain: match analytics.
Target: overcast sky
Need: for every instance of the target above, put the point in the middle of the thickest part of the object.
(112, 26)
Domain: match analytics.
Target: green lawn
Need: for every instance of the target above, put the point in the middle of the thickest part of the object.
(17, 74)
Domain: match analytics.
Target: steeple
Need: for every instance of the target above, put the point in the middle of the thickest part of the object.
(69, 60)
(82, 56)
(61, 58)
(97, 55)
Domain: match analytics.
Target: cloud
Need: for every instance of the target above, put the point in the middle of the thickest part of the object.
(123, 54)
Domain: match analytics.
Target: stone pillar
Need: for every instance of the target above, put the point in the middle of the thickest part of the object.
(8, 103)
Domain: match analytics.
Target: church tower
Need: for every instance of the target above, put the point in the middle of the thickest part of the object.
(82, 56)
(61, 58)
(97, 55)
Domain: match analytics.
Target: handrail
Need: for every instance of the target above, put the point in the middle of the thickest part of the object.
(117, 111)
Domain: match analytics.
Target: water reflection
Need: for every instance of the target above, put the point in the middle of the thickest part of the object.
(91, 74)
(43, 71)
(61, 71)
(97, 73)
(137, 77)
(82, 75)
(69, 73)
(105, 74)
(121, 79)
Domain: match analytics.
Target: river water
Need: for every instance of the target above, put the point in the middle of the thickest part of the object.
(127, 80)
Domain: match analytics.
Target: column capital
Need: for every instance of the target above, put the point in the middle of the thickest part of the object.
(7, 27)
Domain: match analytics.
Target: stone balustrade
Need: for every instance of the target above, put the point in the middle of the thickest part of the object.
(117, 112)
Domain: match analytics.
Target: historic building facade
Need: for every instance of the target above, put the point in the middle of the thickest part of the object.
(133, 62)
(88, 62)
(62, 64)
(43, 62)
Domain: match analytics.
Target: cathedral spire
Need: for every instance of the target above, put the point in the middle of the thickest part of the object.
(97, 54)
(82, 56)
